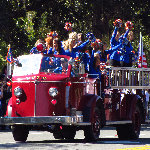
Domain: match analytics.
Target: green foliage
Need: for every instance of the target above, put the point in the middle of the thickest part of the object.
(22, 22)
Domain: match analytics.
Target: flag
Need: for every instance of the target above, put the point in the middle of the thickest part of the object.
(141, 56)
(9, 56)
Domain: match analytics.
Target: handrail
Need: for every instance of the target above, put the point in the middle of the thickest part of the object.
(128, 77)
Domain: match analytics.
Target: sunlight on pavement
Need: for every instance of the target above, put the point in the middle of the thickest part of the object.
(146, 147)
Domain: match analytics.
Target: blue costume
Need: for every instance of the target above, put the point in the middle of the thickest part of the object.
(67, 52)
(126, 58)
(85, 58)
(103, 56)
(117, 52)
(92, 69)
(113, 41)
(34, 50)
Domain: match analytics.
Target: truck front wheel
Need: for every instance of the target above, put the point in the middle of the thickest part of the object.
(20, 132)
(92, 132)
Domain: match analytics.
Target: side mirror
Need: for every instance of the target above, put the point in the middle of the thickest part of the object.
(17, 63)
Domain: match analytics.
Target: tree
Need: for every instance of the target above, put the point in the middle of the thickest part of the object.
(22, 22)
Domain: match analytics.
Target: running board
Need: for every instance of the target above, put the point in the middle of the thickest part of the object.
(118, 122)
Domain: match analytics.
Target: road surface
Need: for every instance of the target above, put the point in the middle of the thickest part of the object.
(108, 140)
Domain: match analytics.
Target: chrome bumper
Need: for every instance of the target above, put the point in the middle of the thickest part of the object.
(64, 120)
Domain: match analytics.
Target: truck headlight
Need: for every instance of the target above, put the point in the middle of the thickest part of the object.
(17, 91)
(53, 92)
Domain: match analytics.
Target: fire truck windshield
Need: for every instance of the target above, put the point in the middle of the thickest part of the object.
(58, 65)
(28, 65)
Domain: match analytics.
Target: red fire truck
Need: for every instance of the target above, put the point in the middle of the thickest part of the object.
(53, 93)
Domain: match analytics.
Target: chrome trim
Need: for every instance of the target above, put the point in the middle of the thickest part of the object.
(34, 81)
(9, 110)
(64, 120)
(47, 82)
(67, 96)
(128, 87)
(22, 81)
(118, 122)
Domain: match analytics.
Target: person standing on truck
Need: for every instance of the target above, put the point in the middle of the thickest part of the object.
(116, 34)
(126, 57)
(94, 65)
(114, 57)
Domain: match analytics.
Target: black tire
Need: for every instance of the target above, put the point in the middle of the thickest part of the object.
(20, 133)
(69, 132)
(92, 132)
(131, 131)
(58, 135)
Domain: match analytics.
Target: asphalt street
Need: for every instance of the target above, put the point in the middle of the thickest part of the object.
(44, 140)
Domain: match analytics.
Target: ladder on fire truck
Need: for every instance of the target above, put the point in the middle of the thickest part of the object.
(128, 78)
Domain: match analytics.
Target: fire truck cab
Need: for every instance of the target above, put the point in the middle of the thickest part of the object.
(53, 93)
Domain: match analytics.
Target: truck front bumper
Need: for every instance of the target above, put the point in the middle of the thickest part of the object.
(64, 120)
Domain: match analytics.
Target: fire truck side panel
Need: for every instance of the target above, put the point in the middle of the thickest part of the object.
(44, 106)
(112, 105)
(77, 89)
(87, 100)
(27, 100)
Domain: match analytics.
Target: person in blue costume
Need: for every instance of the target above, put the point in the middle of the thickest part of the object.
(84, 53)
(126, 58)
(116, 34)
(59, 50)
(115, 38)
(84, 58)
(49, 44)
(114, 57)
(38, 48)
(63, 68)
(101, 51)
(119, 53)
(94, 65)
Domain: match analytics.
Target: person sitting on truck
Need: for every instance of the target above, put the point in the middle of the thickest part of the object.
(49, 43)
(63, 68)
(39, 47)
(59, 50)
(94, 65)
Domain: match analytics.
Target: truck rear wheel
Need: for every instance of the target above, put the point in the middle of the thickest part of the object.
(131, 131)
(20, 133)
(92, 132)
